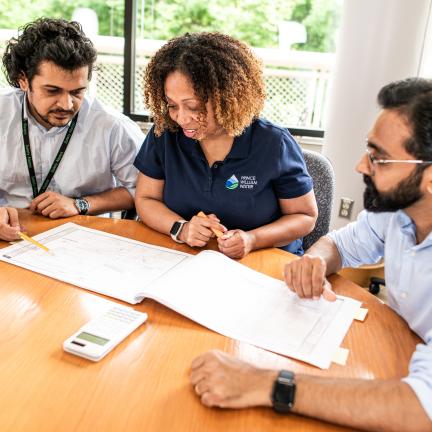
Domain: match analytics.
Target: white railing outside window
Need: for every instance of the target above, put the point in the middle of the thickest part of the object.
(296, 81)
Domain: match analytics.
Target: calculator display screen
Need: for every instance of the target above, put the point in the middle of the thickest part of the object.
(92, 338)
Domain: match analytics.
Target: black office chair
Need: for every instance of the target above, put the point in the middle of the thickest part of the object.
(375, 284)
(322, 173)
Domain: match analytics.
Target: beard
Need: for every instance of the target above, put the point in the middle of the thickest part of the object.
(403, 195)
(49, 118)
(58, 122)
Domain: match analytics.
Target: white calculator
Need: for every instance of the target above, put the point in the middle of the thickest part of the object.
(99, 336)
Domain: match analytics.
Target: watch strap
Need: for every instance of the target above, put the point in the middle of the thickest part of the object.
(283, 394)
(176, 230)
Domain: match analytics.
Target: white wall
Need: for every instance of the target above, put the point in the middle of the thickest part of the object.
(380, 41)
(426, 61)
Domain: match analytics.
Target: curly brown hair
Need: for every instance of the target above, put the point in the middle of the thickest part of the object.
(220, 68)
(47, 39)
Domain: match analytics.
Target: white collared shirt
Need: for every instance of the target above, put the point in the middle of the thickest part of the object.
(98, 158)
(408, 278)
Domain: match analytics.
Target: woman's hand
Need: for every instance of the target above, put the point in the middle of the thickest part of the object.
(198, 231)
(236, 243)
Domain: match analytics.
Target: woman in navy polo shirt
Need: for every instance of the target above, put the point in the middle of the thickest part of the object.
(208, 151)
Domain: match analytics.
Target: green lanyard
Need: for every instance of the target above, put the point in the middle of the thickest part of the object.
(57, 160)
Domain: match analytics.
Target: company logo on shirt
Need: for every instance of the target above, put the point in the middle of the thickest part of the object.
(246, 182)
(232, 182)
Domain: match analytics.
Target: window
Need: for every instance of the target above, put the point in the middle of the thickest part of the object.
(103, 23)
(294, 38)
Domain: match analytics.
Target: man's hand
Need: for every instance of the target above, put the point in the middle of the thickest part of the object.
(198, 231)
(223, 381)
(236, 243)
(306, 277)
(9, 224)
(54, 205)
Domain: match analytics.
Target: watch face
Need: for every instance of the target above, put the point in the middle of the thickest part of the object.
(82, 205)
(175, 228)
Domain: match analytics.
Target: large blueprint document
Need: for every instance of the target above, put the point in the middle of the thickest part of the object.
(98, 261)
(209, 288)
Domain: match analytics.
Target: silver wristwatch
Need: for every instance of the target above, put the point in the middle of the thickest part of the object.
(82, 205)
(176, 230)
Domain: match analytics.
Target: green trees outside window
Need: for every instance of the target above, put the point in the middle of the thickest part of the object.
(253, 21)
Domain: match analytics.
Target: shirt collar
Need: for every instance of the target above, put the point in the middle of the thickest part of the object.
(239, 150)
(404, 221)
(407, 227)
(242, 145)
(190, 145)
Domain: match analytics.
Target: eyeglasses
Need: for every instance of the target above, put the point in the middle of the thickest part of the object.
(374, 161)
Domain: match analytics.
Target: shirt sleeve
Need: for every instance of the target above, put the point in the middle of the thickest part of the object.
(149, 160)
(362, 241)
(126, 139)
(420, 373)
(293, 180)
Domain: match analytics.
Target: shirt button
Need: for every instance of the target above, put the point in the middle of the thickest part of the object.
(413, 253)
(403, 295)
(215, 165)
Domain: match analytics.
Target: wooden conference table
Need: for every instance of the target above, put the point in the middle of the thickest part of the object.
(143, 385)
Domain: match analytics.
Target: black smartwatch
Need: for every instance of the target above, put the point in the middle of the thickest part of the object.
(176, 230)
(82, 205)
(283, 394)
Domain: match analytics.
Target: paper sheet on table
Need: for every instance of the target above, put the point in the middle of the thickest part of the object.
(244, 304)
(95, 260)
(209, 288)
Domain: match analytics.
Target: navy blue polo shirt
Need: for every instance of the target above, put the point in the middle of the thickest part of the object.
(265, 164)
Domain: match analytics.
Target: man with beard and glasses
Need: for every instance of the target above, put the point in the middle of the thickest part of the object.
(62, 153)
(396, 224)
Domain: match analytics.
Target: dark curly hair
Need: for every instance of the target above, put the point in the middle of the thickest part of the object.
(220, 68)
(57, 40)
(412, 98)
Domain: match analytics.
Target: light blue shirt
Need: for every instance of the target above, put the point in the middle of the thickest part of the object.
(98, 158)
(408, 276)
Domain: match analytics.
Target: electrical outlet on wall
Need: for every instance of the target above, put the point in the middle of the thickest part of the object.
(346, 206)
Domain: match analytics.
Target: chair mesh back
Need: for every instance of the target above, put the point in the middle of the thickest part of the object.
(322, 173)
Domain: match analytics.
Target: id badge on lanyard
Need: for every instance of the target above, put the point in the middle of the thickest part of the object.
(29, 157)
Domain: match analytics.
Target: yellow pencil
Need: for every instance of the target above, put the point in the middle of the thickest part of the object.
(33, 241)
(216, 232)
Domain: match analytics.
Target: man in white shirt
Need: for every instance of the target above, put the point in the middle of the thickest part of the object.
(61, 153)
(397, 224)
